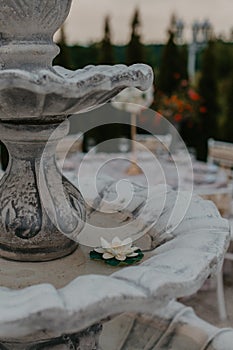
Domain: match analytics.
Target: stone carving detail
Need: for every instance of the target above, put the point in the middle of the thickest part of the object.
(36, 201)
(21, 211)
(27, 17)
(58, 92)
(27, 28)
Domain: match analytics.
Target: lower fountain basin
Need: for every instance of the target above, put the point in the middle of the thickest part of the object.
(42, 301)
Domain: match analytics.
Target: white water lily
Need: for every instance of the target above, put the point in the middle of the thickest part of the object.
(118, 249)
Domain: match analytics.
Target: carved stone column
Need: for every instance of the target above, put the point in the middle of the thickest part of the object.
(39, 207)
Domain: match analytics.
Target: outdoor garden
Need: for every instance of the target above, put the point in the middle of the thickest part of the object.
(201, 105)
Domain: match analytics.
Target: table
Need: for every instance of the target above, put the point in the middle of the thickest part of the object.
(178, 171)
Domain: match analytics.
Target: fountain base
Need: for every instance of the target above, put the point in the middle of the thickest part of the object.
(37, 254)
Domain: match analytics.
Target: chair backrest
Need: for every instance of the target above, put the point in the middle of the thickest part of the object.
(220, 153)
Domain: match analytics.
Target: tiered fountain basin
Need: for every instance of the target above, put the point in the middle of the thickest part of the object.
(46, 300)
(50, 95)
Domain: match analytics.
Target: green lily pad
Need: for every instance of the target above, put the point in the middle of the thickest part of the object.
(114, 262)
(95, 256)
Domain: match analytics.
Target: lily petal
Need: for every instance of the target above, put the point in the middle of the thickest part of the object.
(104, 244)
(132, 255)
(120, 257)
(108, 256)
(99, 250)
(116, 241)
(135, 248)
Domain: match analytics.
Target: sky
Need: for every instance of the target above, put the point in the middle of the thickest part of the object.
(85, 22)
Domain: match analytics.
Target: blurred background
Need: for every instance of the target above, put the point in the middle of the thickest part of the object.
(188, 44)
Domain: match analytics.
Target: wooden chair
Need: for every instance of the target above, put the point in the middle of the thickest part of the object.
(221, 153)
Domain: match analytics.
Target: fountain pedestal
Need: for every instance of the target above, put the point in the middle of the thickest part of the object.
(33, 191)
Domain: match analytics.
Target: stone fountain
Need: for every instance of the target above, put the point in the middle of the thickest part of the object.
(62, 304)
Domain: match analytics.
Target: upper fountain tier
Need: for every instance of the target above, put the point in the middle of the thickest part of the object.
(60, 92)
(30, 88)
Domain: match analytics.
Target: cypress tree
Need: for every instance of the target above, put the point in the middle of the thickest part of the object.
(207, 87)
(64, 57)
(106, 48)
(170, 73)
(135, 49)
(229, 111)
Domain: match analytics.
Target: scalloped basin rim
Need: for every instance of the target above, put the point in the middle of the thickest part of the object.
(78, 83)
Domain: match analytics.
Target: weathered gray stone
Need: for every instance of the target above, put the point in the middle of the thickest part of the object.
(40, 211)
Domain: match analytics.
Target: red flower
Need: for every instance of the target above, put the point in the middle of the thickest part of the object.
(193, 95)
(203, 109)
(176, 75)
(184, 83)
(178, 117)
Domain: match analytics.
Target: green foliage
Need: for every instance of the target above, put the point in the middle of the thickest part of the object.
(64, 57)
(228, 126)
(85, 55)
(224, 58)
(114, 262)
(173, 66)
(208, 89)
